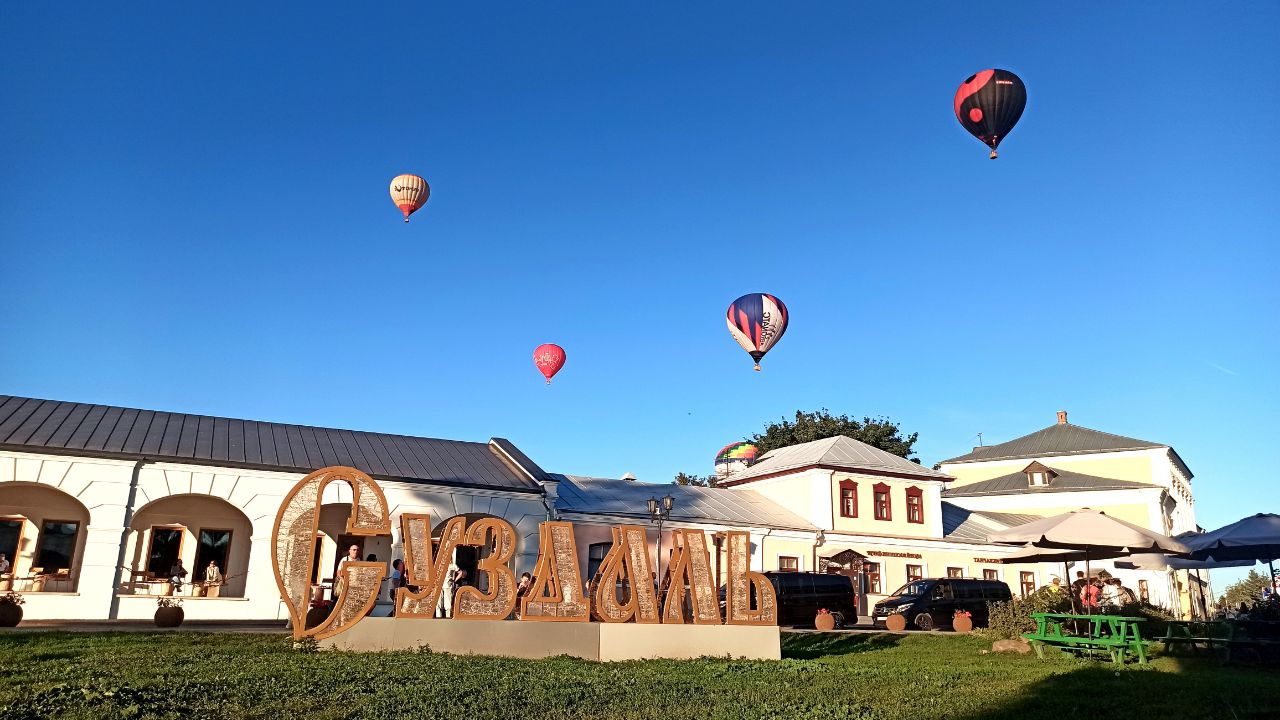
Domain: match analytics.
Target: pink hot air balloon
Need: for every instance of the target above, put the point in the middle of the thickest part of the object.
(549, 358)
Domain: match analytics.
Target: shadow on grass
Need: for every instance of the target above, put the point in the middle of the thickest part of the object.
(1196, 689)
(808, 646)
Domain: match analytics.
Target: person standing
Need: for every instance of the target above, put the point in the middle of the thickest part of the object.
(445, 607)
(397, 581)
(4, 564)
(522, 589)
(1089, 595)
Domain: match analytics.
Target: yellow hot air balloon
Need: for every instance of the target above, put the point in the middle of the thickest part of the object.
(409, 193)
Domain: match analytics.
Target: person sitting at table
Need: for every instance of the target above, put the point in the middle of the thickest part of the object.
(1089, 594)
(1127, 596)
(212, 575)
(1110, 595)
(4, 564)
(177, 574)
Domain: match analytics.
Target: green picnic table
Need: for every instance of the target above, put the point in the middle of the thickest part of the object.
(1116, 635)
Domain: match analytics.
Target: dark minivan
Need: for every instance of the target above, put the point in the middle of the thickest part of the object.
(932, 602)
(802, 594)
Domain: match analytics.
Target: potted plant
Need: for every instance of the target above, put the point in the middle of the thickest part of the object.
(824, 620)
(169, 612)
(319, 611)
(10, 609)
(895, 623)
(962, 621)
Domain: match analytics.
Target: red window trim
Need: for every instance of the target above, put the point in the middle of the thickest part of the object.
(888, 502)
(918, 494)
(852, 486)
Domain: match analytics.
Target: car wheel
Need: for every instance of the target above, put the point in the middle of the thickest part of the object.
(924, 621)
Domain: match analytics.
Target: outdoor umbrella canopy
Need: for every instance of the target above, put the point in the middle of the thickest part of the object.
(1254, 538)
(1092, 531)
(1156, 561)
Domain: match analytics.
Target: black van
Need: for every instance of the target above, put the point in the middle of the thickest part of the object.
(802, 594)
(932, 602)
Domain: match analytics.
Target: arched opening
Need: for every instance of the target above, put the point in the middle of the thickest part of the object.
(205, 536)
(42, 536)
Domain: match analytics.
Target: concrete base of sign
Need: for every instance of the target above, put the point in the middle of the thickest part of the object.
(588, 640)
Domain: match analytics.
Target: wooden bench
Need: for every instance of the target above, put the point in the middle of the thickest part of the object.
(1116, 635)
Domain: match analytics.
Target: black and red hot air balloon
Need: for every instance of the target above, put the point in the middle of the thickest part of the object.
(756, 322)
(988, 105)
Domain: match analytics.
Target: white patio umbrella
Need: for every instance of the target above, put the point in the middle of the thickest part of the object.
(1255, 538)
(1091, 533)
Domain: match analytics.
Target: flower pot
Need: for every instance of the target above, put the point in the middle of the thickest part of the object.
(10, 614)
(896, 623)
(962, 624)
(37, 585)
(212, 590)
(169, 616)
(825, 621)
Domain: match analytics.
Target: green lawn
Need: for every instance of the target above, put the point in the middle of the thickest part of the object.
(208, 675)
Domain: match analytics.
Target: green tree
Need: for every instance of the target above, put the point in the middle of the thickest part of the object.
(818, 424)
(694, 480)
(1247, 590)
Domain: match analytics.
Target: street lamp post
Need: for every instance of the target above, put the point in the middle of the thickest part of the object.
(659, 512)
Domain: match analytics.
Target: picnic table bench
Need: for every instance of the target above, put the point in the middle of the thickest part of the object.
(1193, 634)
(1116, 635)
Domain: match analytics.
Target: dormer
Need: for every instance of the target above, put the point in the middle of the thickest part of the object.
(1039, 475)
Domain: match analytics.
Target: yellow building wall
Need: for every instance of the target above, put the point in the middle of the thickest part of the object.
(1132, 466)
(866, 521)
(794, 492)
(774, 547)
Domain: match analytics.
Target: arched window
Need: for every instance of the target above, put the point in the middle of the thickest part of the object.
(884, 509)
(848, 499)
(915, 505)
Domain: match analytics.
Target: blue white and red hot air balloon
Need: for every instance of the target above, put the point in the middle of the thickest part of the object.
(757, 322)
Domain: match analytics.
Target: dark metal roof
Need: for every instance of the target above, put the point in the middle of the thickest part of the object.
(1058, 439)
(962, 524)
(67, 428)
(1062, 481)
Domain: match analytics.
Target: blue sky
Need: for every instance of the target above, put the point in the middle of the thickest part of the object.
(194, 216)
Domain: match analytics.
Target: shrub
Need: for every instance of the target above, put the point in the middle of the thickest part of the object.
(1008, 620)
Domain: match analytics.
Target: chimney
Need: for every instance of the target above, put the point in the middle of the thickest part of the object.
(1062, 417)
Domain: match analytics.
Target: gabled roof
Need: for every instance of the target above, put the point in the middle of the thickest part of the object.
(1058, 439)
(837, 453)
(1063, 481)
(964, 525)
(67, 428)
(625, 498)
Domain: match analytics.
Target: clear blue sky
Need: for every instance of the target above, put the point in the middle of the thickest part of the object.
(194, 217)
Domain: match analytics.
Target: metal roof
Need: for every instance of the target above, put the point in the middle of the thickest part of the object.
(962, 524)
(68, 428)
(1057, 439)
(1062, 481)
(625, 498)
(840, 452)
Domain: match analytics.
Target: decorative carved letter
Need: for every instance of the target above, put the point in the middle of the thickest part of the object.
(425, 572)
(294, 541)
(556, 594)
(628, 562)
(690, 566)
(497, 604)
(743, 583)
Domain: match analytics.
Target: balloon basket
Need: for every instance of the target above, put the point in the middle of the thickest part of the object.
(993, 155)
(757, 367)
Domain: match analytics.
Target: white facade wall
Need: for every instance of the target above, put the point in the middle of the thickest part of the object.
(103, 487)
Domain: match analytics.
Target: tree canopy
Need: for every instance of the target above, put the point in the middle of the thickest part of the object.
(695, 480)
(819, 424)
(1247, 590)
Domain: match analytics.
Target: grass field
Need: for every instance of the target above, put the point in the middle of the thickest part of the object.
(919, 676)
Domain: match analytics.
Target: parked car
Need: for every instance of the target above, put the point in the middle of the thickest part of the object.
(932, 602)
(802, 594)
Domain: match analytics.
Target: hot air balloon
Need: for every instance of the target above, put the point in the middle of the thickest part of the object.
(757, 321)
(549, 359)
(409, 193)
(734, 457)
(989, 104)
